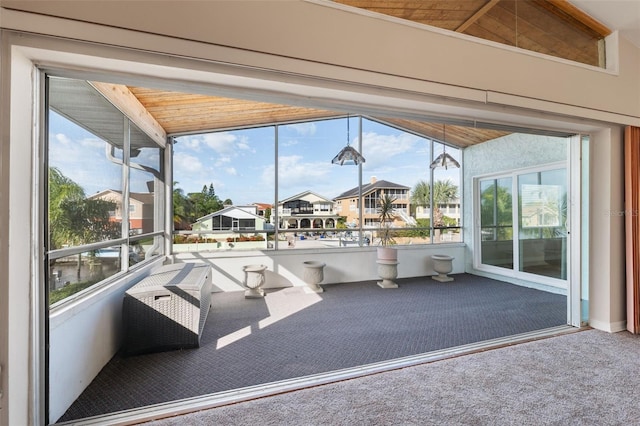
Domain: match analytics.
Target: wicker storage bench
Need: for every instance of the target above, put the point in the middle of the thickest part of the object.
(167, 309)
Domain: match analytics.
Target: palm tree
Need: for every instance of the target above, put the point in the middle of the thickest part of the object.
(180, 208)
(496, 211)
(75, 220)
(62, 192)
(420, 194)
(386, 215)
(444, 191)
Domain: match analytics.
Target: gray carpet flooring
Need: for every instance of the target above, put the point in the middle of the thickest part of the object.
(291, 334)
(585, 378)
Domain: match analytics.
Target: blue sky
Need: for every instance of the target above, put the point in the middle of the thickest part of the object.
(241, 164)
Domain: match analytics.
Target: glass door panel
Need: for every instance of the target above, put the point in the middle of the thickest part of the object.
(542, 216)
(496, 222)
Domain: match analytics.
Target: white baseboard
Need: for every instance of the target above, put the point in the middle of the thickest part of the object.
(609, 327)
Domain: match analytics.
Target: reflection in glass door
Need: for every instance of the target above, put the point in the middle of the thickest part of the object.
(523, 222)
(542, 233)
(496, 222)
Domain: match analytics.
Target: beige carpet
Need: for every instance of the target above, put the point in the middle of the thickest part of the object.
(584, 378)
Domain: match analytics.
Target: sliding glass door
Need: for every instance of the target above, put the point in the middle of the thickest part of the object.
(542, 233)
(522, 226)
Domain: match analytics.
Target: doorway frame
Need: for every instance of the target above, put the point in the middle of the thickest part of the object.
(23, 383)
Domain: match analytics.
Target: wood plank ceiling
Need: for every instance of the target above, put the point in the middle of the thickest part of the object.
(187, 113)
(553, 27)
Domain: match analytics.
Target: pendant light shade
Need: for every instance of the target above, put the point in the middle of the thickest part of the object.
(348, 155)
(444, 160)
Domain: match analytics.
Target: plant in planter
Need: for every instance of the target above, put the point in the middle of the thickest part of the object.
(387, 256)
(386, 215)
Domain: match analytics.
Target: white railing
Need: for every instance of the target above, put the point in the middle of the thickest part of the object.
(406, 218)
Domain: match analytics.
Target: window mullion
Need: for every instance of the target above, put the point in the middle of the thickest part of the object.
(126, 157)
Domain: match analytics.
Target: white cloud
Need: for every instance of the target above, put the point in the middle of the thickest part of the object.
(191, 142)
(184, 164)
(66, 151)
(380, 150)
(231, 171)
(221, 142)
(243, 146)
(304, 129)
(293, 171)
(221, 161)
(62, 138)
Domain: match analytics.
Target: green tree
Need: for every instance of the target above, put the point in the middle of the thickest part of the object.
(342, 222)
(496, 210)
(204, 202)
(62, 191)
(421, 193)
(386, 215)
(444, 192)
(75, 220)
(89, 221)
(181, 208)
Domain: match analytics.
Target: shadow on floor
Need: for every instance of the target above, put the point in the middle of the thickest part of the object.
(291, 334)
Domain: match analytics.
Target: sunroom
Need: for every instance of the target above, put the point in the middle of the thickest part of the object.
(94, 148)
(520, 215)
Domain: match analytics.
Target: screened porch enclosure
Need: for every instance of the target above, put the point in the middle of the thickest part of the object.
(267, 194)
(251, 345)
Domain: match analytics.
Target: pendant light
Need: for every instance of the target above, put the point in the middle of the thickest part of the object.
(348, 155)
(444, 159)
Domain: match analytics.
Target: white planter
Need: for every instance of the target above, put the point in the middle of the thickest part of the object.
(254, 279)
(387, 254)
(388, 271)
(313, 275)
(443, 265)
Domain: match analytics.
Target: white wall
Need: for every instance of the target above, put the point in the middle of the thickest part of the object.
(285, 267)
(17, 244)
(84, 336)
(505, 154)
(606, 231)
(373, 51)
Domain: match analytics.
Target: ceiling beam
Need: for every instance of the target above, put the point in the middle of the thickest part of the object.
(130, 106)
(484, 9)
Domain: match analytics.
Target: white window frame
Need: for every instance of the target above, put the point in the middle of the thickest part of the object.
(477, 238)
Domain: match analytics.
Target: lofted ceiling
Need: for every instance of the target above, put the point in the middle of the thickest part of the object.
(186, 113)
(553, 27)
